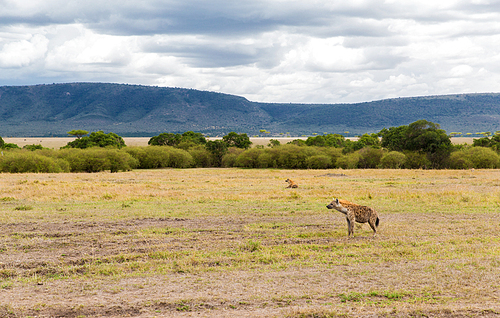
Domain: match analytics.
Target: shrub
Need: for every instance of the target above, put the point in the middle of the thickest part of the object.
(333, 153)
(349, 161)
(10, 146)
(98, 159)
(369, 158)
(120, 160)
(139, 153)
(319, 162)
(291, 156)
(151, 157)
(266, 160)
(229, 159)
(416, 160)
(33, 147)
(201, 157)
(28, 161)
(393, 160)
(248, 158)
(179, 158)
(218, 149)
(458, 160)
(474, 157)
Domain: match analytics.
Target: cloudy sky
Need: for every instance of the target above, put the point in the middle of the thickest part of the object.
(314, 51)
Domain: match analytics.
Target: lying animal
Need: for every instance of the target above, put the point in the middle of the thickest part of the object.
(291, 184)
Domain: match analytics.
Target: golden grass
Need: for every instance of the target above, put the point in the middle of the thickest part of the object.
(58, 142)
(236, 242)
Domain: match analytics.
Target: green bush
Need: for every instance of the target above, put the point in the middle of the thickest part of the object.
(319, 162)
(458, 160)
(10, 146)
(349, 161)
(151, 157)
(266, 160)
(229, 158)
(179, 158)
(120, 160)
(369, 158)
(393, 160)
(33, 147)
(333, 153)
(417, 160)
(29, 161)
(201, 157)
(474, 157)
(291, 156)
(248, 158)
(98, 159)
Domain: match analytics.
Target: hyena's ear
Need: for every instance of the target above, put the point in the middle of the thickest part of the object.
(337, 200)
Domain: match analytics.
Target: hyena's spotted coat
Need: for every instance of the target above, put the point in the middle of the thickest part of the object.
(355, 213)
(291, 183)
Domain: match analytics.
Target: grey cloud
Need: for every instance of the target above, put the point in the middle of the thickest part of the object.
(213, 53)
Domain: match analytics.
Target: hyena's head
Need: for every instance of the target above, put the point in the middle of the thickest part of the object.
(334, 204)
(287, 180)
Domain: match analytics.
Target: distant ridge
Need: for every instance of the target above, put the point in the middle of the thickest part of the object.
(134, 110)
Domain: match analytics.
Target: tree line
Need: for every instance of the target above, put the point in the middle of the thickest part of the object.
(419, 145)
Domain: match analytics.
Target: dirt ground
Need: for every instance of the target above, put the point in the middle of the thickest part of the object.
(268, 293)
(105, 245)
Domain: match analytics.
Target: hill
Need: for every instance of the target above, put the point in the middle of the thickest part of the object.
(133, 110)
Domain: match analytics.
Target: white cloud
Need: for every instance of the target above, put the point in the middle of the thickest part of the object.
(23, 52)
(265, 50)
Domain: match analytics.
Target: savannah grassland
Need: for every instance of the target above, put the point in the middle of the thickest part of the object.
(237, 243)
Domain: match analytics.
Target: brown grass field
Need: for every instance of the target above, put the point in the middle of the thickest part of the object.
(237, 243)
(58, 142)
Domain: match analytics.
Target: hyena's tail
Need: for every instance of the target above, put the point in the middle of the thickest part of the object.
(376, 222)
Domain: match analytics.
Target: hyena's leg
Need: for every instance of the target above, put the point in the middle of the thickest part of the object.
(372, 225)
(350, 227)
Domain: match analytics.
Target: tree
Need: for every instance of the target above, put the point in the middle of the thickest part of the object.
(330, 140)
(421, 136)
(394, 138)
(218, 148)
(493, 142)
(165, 139)
(237, 140)
(426, 136)
(2, 142)
(97, 139)
(196, 138)
(171, 139)
(78, 133)
(274, 143)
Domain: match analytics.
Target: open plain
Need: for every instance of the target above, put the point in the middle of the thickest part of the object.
(58, 142)
(237, 243)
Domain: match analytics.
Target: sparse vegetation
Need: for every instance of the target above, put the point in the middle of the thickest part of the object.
(234, 242)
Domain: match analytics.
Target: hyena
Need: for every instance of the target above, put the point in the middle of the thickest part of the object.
(355, 212)
(291, 184)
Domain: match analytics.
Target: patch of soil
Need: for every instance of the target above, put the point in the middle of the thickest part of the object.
(33, 256)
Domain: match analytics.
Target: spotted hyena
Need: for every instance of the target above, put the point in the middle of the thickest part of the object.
(355, 212)
(291, 184)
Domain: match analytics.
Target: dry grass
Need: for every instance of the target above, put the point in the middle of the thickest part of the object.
(236, 243)
(58, 142)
